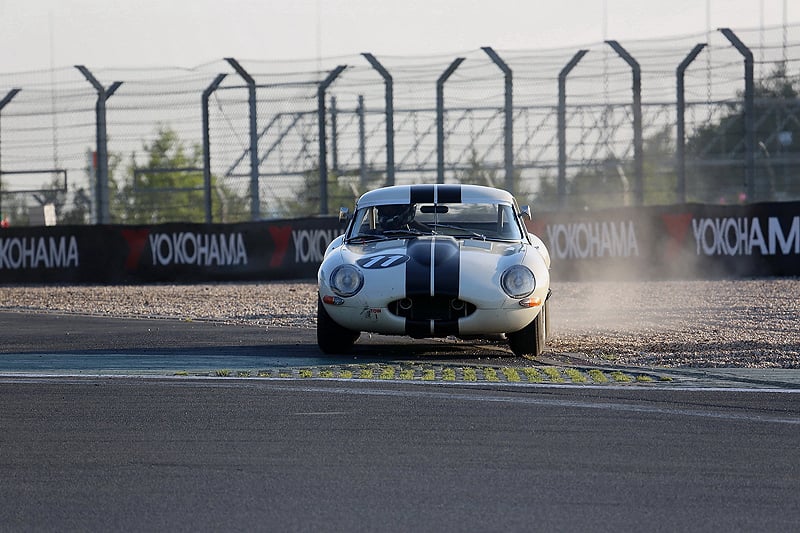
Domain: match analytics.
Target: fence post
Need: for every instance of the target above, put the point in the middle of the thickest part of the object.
(562, 125)
(508, 130)
(638, 164)
(681, 111)
(102, 211)
(323, 148)
(749, 113)
(362, 148)
(440, 117)
(207, 144)
(334, 136)
(6, 99)
(389, 83)
(255, 196)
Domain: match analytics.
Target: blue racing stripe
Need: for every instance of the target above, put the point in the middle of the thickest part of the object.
(447, 260)
(422, 194)
(418, 267)
(448, 194)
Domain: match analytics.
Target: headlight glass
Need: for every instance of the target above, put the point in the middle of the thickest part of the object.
(518, 281)
(346, 280)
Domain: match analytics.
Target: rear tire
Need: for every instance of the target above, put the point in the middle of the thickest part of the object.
(530, 340)
(331, 337)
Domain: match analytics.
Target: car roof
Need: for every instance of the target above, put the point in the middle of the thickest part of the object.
(434, 193)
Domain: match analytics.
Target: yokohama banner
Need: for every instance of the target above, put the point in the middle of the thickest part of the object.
(687, 241)
(282, 249)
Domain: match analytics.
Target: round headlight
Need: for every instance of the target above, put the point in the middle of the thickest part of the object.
(346, 280)
(518, 281)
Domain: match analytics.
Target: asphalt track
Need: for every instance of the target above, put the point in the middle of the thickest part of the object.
(104, 345)
(86, 447)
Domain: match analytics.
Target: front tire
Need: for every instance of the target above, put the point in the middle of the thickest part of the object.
(331, 337)
(530, 340)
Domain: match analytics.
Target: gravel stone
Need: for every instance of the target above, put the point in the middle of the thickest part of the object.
(727, 323)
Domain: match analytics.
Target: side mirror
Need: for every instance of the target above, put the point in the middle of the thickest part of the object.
(344, 215)
(525, 212)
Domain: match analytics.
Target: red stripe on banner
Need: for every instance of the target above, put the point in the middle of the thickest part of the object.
(281, 235)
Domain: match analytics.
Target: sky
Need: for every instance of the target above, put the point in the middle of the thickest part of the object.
(40, 34)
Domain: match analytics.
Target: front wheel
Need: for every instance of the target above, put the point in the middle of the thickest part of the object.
(530, 340)
(331, 337)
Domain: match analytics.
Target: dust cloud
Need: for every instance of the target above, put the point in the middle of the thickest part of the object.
(743, 323)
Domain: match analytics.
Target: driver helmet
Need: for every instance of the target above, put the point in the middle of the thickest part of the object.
(395, 216)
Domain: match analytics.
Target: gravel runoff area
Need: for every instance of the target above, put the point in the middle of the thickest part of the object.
(734, 323)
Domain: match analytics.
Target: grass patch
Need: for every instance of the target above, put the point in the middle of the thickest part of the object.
(305, 373)
(644, 379)
(553, 374)
(346, 374)
(620, 377)
(182, 373)
(326, 373)
(407, 374)
(243, 374)
(428, 375)
(575, 375)
(469, 374)
(533, 375)
(665, 378)
(598, 376)
(448, 374)
(263, 373)
(511, 374)
(223, 373)
(490, 374)
(367, 373)
(387, 373)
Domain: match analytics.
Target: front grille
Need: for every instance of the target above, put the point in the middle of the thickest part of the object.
(431, 308)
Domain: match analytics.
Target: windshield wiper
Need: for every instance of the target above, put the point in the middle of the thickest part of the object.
(403, 232)
(458, 228)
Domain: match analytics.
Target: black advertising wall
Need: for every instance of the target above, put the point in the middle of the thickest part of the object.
(687, 241)
(281, 249)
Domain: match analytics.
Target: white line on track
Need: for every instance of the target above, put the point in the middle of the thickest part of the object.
(489, 396)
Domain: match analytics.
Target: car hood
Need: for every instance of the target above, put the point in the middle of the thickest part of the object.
(437, 264)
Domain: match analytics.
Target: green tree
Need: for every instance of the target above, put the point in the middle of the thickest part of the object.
(157, 192)
(477, 173)
(14, 210)
(343, 191)
(80, 210)
(716, 150)
(161, 191)
(611, 183)
(74, 208)
(169, 187)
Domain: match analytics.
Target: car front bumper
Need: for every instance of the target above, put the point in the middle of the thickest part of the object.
(379, 319)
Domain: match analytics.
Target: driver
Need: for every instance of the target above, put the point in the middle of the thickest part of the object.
(396, 216)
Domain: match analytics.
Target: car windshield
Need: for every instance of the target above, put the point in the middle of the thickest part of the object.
(490, 221)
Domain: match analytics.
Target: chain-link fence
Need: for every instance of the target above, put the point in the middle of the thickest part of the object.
(645, 122)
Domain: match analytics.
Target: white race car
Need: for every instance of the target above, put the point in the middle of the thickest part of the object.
(435, 261)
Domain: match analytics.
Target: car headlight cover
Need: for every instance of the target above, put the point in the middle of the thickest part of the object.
(346, 280)
(518, 281)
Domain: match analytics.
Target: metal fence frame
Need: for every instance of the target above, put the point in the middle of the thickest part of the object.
(446, 122)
